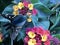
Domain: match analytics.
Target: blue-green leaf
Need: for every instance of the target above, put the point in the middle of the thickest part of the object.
(42, 15)
(16, 1)
(35, 1)
(21, 35)
(55, 22)
(42, 7)
(57, 35)
(8, 9)
(2, 19)
(44, 23)
(44, 1)
(55, 1)
(55, 30)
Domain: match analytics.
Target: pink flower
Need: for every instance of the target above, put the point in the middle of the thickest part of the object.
(38, 44)
(47, 42)
(26, 39)
(31, 29)
(34, 29)
(27, 30)
(25, 4)
(23, 11)
(41, 35)
(39, 30)
(34, 11)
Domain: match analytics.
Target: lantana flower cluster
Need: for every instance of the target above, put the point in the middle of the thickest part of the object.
(24, 8)
(37, 36)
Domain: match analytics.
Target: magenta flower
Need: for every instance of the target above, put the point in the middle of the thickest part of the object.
(24, 10)
(26, 39)
(47, 42)
(25, 4)
(55, 41)
(34, 11)
(39, 35)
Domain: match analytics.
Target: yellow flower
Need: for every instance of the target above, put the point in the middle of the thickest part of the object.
(1, 37)
(44, 38)
(29, 19)
(30, 6)
(32, 42)
(15, 7)
(20, 5)
(31, 34)
(16, 13)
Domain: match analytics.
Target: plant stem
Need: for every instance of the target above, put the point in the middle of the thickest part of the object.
(55, 6)
(11, 41)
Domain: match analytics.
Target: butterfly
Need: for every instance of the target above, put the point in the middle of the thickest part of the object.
(15, 21)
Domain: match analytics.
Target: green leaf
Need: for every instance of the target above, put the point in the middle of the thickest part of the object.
(2, 19)
(5, 32)
(42, 15)
(16, 1)
(57, 35)
(43, 8)
(44, 1)
(7, 10)
(40, 23)
(34, 1)
(55, 1)
(21, 35)
(55, 21)
(56, 30)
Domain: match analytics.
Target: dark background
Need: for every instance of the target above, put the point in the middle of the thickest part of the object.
(3, 4)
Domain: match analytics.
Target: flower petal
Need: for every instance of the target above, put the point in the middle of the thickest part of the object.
(25, 4)
(34, 11)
